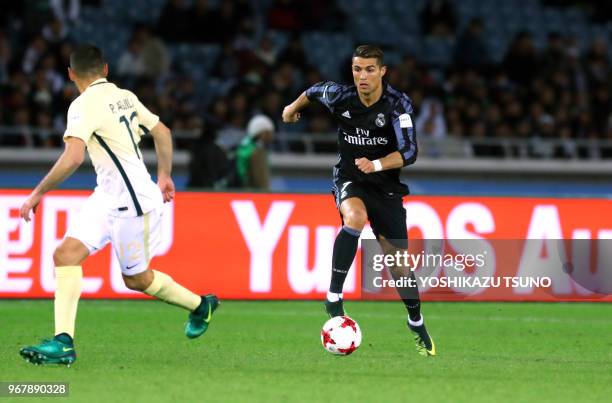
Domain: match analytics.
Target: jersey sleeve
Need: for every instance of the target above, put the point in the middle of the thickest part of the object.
(146, 118)
(81, 122)
(405, 132)
(327, 94)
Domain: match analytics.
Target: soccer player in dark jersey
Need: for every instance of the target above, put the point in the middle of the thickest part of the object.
(376, 138)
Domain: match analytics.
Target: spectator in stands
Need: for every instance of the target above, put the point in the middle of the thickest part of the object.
(266, 52)
(312, 76)
(572, 88)
(524, 130)
(63, 56)
(11, 10)
(284, 80)
(438, 18)
(285, 15)
(521, 61)
(201, 19)
(35, 50)
(244, 40)
(131, 63)
(228, 18)
(230, 126)
(227, 66)
(45, 136)
(208, 163)
(6, 56)
(33, 15)
(430, 121)
(454, 122)
(55, 32)
(409, 74)
(172, 23)
(252, 156)
(22, 134)
(41, 94)
(597, 63)
(553, 57)
(471, 50)
(270, 104)
(154, 54)
(218, 114)
(66, 10)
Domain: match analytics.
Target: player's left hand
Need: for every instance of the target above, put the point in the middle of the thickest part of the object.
(365, 165)
(29, 205)
(166, 185)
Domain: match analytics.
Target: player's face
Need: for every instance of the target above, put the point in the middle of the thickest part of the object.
(367, 74)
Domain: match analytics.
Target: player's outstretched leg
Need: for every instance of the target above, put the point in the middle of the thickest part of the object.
(160, 285)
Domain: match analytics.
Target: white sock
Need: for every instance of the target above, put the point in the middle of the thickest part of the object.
(333, 296)
(417, 323)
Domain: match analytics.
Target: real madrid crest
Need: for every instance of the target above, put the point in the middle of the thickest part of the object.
(380, 120)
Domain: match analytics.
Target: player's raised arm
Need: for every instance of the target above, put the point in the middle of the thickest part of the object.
(326, 93)
(162, 137)
(291, 113)
(67, 163)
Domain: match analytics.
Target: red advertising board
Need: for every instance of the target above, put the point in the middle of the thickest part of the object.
(279, 246)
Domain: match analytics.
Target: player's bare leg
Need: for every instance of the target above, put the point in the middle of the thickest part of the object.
(67, 258)
(354, 216)
(159, 285)
(410, 297)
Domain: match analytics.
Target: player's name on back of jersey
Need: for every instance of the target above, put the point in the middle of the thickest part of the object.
(121, 105)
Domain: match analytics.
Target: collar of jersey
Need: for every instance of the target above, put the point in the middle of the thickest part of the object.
(98, 81)
(383, 95)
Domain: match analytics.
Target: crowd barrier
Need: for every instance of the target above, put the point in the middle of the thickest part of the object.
(279, 246)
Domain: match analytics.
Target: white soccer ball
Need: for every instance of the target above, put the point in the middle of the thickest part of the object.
(341, 335)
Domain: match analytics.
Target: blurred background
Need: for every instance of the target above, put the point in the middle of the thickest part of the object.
(511, 97)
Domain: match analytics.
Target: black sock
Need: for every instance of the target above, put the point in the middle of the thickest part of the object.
(413, 306)
(345, 249)
(410, 296)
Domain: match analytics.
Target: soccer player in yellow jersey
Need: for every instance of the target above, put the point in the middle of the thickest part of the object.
(125, 208)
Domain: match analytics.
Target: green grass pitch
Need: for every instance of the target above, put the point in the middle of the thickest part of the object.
(135, 351)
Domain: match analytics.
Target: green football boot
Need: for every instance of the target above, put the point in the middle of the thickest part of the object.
(58, 350)
(424, 343)
(200, 318)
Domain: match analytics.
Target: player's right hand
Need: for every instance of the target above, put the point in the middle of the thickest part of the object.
(29, 205)
(166, 185)
(290, 115)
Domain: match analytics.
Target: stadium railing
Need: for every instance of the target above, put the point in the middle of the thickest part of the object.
(315, 153)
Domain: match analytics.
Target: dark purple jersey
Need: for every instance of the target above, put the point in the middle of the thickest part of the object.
(372, 132)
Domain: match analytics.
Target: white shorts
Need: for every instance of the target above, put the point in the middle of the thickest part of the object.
(134, 239)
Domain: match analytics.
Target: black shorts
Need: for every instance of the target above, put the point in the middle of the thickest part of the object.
(386, 211)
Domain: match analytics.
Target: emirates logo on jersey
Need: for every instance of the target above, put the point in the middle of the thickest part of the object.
(380, 120)
(364, 141)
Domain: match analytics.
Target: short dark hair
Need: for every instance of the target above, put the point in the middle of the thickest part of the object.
(370, 52)
(87, 60)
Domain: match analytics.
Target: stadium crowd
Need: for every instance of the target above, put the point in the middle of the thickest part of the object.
(558, 92)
